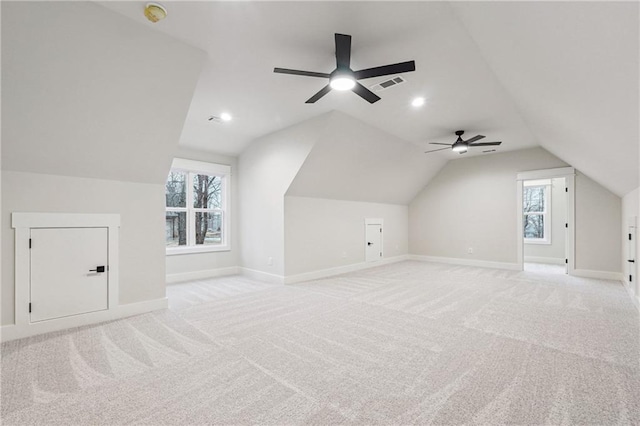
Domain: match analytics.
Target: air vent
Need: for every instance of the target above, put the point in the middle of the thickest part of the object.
(387, 83)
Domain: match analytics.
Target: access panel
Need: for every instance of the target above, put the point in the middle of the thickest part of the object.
(69, 272)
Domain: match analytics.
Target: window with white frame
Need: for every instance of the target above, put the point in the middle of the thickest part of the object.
(536, 209)
(197, 218)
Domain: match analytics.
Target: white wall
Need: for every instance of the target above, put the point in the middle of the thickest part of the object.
(93, 104)
(322, 234)
(266, 169)
(471, 203)
(142, 272)
(554, 252)
(357, 162)
(598, 223)
(88, 92)
(184, 266)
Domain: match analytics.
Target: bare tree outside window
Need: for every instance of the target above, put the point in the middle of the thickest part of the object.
(533, 198)
(207, 195)
(194, 213)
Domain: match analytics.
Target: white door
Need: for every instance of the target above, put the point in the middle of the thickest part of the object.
(69, 272)
(631, 256)
(373, 248)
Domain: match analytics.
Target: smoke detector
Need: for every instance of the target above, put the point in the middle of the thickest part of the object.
(155, 12)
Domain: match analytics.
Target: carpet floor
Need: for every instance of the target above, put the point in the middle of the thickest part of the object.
(406, 343)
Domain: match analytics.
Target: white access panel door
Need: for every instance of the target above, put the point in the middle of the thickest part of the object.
(62, 280)
(373, 241)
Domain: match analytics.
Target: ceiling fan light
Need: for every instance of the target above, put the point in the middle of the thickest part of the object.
(459, 148)
(342, 82)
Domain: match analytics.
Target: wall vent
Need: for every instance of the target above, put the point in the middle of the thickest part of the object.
(393, 81)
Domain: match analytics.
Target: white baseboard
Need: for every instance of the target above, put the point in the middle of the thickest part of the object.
(467, 262)
(329, 272)
(198, 275)
(262, 276)
(600, 275)
(13, 332)
(547, 260)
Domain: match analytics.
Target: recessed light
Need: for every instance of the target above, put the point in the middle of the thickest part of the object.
(417, 102)
(225, 116)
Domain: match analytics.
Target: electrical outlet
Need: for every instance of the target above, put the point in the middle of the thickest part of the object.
(470, 250)
(270, 261)
(344, 254)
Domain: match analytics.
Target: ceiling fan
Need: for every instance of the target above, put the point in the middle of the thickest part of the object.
(344, 78)
(461, 146)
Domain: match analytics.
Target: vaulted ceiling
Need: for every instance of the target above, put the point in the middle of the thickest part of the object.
(562, 75)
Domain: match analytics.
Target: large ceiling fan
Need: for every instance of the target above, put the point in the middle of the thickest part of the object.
(344, 78)
(461, 146)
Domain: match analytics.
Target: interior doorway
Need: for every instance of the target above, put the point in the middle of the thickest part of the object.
(545, 225)
(545, 221)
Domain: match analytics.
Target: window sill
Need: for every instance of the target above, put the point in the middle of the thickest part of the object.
(191, 250)
(538, 242)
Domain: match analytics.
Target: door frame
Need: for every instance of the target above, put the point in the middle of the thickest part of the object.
(569, 174)
(374, 221)
(632, 230)
(23, 223)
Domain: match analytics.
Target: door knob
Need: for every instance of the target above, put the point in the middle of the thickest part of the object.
(369, 244)
(98, 269)
(631, 261)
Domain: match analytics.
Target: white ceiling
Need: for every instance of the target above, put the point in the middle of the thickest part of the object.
(563, 76)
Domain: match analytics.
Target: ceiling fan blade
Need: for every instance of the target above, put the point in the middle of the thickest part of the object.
(436, 143)
(385, 70)
(365, 93)
(326, 89)
(436, 150)
(475, 138)
(486, 144)
(343, 51)
(298, 72)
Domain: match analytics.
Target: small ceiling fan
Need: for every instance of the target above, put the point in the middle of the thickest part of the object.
(461, 146)
(344, 78)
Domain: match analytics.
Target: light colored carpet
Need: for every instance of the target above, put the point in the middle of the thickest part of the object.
(407, 343)
(544, 268)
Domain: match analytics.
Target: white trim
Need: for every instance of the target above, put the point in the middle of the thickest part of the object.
(634, 299)
(600, 275)
(23, 223)
(177, 251)
(198, 275)
(548, 260)
(338, 270)
(200, 166)
(191, 167)
(262, 276)
(570, 183)
(546, 173)
(467, 262)
(374, 221)
(16, 331)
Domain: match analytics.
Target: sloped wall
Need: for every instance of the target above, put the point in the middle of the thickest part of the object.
(92, 108)
(325, 234)
(357, 162)
(266, 170)
(471, 203)
(354, 171)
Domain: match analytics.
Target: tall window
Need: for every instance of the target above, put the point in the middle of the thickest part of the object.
(536, 208)
(196, 207)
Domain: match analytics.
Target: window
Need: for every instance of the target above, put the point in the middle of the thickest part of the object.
(196, 207)
(536, 208)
